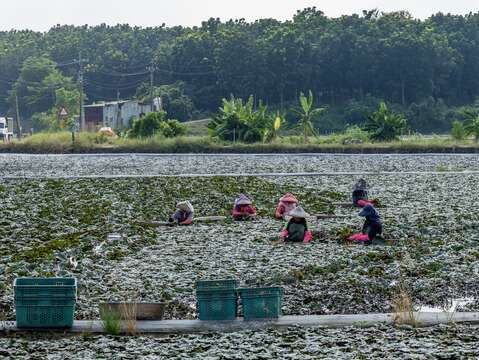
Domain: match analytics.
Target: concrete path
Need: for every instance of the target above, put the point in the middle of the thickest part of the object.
(329, 321)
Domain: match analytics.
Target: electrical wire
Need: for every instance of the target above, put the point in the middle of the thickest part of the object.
(38, 85)
(186, 74)
(118, 74)
(89, 81)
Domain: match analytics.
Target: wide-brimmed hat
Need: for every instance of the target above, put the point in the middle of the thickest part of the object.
(185, 206)
(288, 197)
(368, 211)
(361, 184)
(243, 200)
(298, 212)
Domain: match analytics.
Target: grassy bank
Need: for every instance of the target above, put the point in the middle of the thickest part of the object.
(58, 143)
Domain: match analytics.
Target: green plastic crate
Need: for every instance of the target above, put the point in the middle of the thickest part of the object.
(261, 303)
(217, 304)
(228, 284)
(45, 302)
(45, 287)
(44, 316)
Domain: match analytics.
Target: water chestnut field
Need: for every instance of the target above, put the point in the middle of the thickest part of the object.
(59, 227)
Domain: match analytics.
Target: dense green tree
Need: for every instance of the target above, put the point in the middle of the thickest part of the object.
(51, 120)
(345, 61)
(37, 84)
(175, 102)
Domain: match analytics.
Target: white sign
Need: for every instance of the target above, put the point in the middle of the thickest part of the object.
(63, 112)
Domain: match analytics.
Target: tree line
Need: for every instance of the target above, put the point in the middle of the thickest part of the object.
(424, 68)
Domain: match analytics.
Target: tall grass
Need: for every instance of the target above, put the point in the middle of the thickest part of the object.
(403, 308)
(352, 141)
(129, 313)
(111, 321)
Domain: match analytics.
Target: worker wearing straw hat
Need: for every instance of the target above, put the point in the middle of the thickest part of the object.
(286, 204)
(296, 230)
(243, 208)
(184, 213)
(360, 194)
(372, 225)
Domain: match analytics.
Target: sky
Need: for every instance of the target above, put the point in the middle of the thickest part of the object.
(41, 15)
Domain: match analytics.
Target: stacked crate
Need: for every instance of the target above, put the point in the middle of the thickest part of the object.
(45, 302)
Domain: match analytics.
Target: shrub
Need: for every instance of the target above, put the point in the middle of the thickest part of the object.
(147, 125)
(172, 128)
(354, 134)
(458, 132)
(155, 123)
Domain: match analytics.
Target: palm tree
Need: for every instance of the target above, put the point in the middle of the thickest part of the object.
(471, 125)
(306, 114)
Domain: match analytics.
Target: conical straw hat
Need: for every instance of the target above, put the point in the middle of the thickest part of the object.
(185, 206)
(243, 200)
(299, 213)
(288, 197)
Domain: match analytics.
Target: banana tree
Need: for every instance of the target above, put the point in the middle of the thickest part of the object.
(385, 125)
(238, 121)
(306, 113)
(471, 125)
(273, 126)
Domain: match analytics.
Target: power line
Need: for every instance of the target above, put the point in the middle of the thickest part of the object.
(114, 87)
(119, 74)
(187, 74)
(39, 85)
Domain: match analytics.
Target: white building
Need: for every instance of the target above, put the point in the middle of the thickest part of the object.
(6, 128)
(117, 114)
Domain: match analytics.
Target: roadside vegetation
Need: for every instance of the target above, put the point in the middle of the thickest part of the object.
(241, 127)
(353, 140)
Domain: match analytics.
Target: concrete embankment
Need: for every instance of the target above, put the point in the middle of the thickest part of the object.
(328, 321)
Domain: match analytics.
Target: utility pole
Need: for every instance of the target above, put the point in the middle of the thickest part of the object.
(151, 69)
(80, 62)
(119, 122)
(17, 117)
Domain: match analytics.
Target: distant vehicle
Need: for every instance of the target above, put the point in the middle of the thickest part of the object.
(5, 131)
